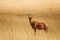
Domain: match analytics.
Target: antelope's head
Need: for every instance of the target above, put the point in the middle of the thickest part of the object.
(29, 16)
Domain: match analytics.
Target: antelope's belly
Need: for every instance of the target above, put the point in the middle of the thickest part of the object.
(39, 26)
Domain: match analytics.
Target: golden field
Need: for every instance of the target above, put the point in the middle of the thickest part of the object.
(14, 23)
(17, 27)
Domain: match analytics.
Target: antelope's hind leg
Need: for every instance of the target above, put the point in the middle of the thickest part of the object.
(45, 28)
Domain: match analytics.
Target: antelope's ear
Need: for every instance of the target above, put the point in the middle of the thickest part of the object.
(29, 15)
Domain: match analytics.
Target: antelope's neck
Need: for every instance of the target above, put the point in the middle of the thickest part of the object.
(30, 21)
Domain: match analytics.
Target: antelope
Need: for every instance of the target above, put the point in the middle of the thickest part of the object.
(37, 25)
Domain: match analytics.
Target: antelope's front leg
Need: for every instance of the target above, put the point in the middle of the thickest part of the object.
(35, 28)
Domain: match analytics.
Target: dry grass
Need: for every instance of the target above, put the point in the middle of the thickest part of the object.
(14, 27)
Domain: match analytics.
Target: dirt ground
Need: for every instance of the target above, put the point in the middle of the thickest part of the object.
(17, 27)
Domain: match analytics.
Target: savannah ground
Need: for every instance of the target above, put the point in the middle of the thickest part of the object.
(17, 27)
